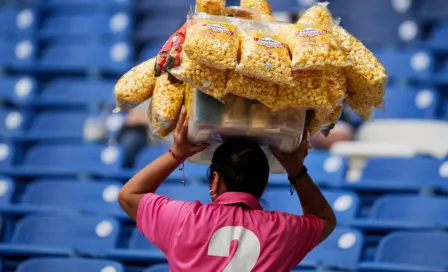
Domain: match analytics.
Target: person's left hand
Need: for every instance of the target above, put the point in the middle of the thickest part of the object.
(182, 147)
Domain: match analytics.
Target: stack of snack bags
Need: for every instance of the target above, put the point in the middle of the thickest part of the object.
(314, 65)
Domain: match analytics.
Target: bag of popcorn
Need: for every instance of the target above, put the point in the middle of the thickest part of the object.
(250, 88)
(264, 55)
(313, 47)
(261, 6)
(208, 80)
(214, 7)
(309, 91)
(213, 41)
(135, 87)
(166, 105)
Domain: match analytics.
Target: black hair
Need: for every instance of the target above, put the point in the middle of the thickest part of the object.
(242, 166)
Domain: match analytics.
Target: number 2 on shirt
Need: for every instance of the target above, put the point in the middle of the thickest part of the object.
(247, 253)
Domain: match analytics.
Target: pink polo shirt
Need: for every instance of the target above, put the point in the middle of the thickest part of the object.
(226, 237)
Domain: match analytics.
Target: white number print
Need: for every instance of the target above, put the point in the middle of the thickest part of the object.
(247, 253)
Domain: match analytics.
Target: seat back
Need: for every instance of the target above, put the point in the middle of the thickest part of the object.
(6, 190)
(88, 235)
(69, 265)
(11, 121)
(55, 122)
(418, 209)
(18, 53)
(139, 242)
(158, 268)
(428, 249)
(413, 64)
(326, 168)
(26, 21)
(6, 155)
(342, 249)
(98, 197)
(17, 89)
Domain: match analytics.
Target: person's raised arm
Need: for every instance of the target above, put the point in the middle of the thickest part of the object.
(311, 198)
(151, 177)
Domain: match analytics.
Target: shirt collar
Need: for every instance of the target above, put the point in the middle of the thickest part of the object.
(237, 197)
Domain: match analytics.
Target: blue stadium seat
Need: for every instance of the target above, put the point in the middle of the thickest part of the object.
(62, 236)
(401, 174)
(341, 250)
(410, 252)
(441, 76)
(406, 212)
(71, 195)
(7, 188)
(433, 9)
(151, 49)
(324, 168)
(114, 59)
(89, 3)
(14, 21)
(70, 159)
(140, 249)
(55, 124)
(158, 268)
(392, 29)
(49, 264)
(407, 102)
(412, 64)
(193, 172)
(66, 92)
(18, 90)
(161, 28)
(18, 54)
(87, 25)
(7, 156)
(12, 122)
(190, 192)
(344, 203)
(437, 39)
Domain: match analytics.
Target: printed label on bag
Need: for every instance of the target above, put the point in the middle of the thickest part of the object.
(219, 30)
(270, 44)
(312, 33)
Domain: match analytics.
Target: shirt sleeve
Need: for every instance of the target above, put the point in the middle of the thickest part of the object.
(307, 230)
(158, 218)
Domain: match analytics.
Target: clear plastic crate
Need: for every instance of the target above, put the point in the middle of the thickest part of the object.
(213, 122)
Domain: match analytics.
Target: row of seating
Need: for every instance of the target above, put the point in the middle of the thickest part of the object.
(388, 212)
(331, 170)
(74, 235)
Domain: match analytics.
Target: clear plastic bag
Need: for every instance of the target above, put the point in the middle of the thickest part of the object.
(135, 87)
(214, 7)
(308, 92)
(367, 77)
(361, 105)
(208, 80)
(313, 47)
(261, 6)
(250, 88)
(260, 115)
(213, 41)
(336, 86)
(166, 105)
(264, 55)
(323, 121)
(319, 14)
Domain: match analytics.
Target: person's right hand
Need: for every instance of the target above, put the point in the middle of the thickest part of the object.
(182, 147)
(293, 162)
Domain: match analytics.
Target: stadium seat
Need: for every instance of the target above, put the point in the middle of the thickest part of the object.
(324, 168)
(12, 122)
(406, 102)
(393, 212)
(70, 159)
(62, 236)
(437, 40)
(344, 203)
(190, 192)
(192, 172)
(18, 22)
(70, 195)
(18, 90)
(341, 250)
(401, 174)
(158, 268)
(441, 76)
(417, 64)
(6, 190)
(162, 28)
(113, 59)
(433, 9)
(140, 249)
(49, 264)
(87, 25)
(55, 124)
(151, 49)
(18, 54)
(410, 252)
(7, 152)
(67, 92)
(89, 3)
